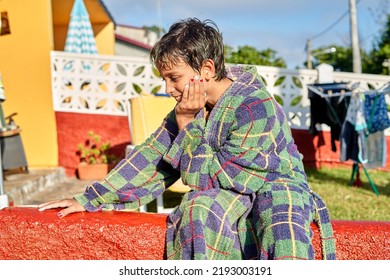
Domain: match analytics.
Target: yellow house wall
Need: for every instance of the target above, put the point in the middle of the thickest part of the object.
(25, 67)
(105, 39)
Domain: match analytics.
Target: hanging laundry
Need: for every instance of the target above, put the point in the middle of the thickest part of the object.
(376, 113)
(328, 110)
(376, 150)
(354, 130)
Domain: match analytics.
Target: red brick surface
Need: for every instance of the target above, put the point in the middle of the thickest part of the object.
(27, 234)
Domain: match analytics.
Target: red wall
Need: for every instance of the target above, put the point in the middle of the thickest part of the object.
(317, 151)
(72, 129)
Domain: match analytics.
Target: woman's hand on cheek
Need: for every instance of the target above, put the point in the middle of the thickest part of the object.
(192, 101)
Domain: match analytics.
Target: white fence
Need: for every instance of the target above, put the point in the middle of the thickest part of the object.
(102, 84)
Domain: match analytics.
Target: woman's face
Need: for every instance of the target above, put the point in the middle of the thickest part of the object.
(176, 78)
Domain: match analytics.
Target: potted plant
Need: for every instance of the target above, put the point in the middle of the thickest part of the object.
(95, 160)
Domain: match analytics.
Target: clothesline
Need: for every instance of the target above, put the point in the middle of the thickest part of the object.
(353, 121)
(352, 90)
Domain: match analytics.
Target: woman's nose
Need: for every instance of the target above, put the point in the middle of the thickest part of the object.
(168, 89)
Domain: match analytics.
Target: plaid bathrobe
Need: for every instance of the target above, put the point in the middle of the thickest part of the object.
(249, 196)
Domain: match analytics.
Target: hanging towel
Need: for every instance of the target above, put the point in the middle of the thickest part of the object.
(376, 150)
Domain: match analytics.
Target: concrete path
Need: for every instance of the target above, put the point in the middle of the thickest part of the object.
(41, 185)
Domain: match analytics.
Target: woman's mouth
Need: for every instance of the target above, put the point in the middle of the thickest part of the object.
(177, 98)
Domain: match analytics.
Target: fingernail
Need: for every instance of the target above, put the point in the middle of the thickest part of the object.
(59, 214)
(192, 80)
(201, 80)
(196, 77)
(187, 85)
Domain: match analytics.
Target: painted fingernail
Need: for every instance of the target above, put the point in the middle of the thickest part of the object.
(201, 80)
(187, 85)
(192, 80)
(196, 77)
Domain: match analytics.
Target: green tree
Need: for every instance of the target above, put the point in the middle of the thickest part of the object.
(250, 55)
(381, 52)
(372, 61)
(340, 59)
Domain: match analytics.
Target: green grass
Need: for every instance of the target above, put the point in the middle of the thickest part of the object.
(344, 202)
(347, 202)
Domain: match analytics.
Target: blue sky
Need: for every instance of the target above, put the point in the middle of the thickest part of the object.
(282, 25)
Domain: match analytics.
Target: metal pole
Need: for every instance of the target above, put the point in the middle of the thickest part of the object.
(386, 63)
(3, 197)
(356, 60)
(309, 58)
(1, 174)
(160, 28)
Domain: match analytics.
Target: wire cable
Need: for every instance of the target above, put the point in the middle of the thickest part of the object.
(333, 24)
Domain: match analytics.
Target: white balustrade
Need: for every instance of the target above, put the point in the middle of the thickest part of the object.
(99, 84)
(103, 84)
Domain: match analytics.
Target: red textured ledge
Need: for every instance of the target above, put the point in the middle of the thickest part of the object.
(27, 234)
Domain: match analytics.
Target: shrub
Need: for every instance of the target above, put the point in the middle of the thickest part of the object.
(94, 151)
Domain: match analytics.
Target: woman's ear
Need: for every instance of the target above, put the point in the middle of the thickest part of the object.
(208, 69)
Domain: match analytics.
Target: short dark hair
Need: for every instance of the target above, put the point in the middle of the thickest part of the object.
(194, 42)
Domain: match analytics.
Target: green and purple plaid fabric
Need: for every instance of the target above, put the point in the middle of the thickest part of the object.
(249, 196)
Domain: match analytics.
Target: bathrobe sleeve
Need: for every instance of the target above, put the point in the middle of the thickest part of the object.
(137, 179)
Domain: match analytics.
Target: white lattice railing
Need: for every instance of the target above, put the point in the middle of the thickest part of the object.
(103, 84)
